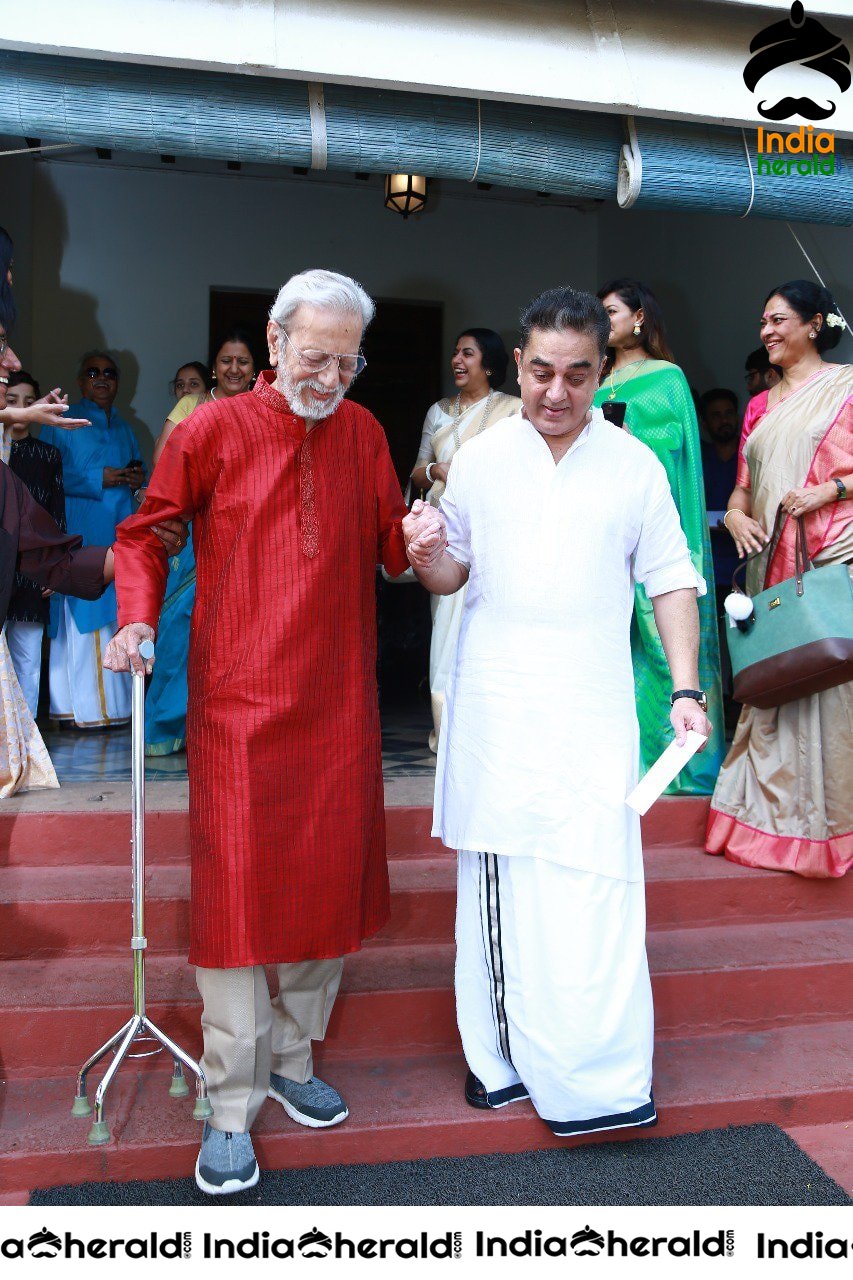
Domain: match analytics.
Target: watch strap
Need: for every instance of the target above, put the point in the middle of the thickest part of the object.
(698, 695)
(842, 489)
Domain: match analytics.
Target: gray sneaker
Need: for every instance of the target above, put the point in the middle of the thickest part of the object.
(226, 1162)
(314, 1103)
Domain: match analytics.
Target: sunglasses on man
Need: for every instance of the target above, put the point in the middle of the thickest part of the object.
(93, 374)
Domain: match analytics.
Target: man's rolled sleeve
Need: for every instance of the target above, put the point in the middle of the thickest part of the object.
(662, 560)
(452, 506)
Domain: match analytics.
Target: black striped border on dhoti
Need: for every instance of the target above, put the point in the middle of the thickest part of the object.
(490, 914)
(641, 1117)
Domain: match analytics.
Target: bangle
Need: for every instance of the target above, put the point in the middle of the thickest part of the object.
(730, 512)
(429, 467)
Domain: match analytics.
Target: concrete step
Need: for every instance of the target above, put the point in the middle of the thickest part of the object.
(830, 1146)
(407, 1108)
(84, 909)
(398, 998)
(59, 837)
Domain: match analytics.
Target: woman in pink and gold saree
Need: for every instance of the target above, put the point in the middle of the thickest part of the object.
(784, 797)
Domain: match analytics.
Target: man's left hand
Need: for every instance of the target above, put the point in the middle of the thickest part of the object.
(173, 534)
(687, 714)
(425, 534)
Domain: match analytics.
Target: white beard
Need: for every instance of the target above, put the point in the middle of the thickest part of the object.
(302, 402)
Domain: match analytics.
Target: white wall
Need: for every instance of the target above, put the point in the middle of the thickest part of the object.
(16, 216)
(712, 274)
(125, 258)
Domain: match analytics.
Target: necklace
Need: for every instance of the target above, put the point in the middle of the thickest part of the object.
(636, 365)
(457, 413)
(783, 395)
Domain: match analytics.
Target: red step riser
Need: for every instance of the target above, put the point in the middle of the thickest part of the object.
(30, 930)
(63, 839)
(33, 929)
(681, 904)
(507, 1131)
(421, 1022)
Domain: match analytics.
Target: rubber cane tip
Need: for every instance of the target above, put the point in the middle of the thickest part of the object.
(81, 1107)
(99, 1134)
(202, 1110)
(178, 1088)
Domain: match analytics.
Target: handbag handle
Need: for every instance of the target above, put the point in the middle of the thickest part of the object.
(802, 562)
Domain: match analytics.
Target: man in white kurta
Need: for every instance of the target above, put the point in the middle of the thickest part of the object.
(541, 742)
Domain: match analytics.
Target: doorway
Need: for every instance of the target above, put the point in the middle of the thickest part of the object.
(403, 377)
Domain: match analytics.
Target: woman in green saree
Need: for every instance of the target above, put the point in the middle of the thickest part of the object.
(659, 410)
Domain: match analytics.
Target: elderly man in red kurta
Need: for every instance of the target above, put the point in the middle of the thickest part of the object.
(293, 499)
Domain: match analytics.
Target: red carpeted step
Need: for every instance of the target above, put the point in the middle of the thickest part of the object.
(92, 836)
(50, 911)
(407, 1108)
(399, 999)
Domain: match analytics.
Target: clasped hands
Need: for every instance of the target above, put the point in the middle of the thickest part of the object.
(425, 534)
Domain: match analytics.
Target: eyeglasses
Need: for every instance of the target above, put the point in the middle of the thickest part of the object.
(93, 374)
(316, 361)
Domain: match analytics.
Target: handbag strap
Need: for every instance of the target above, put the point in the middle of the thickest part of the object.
(801, 553)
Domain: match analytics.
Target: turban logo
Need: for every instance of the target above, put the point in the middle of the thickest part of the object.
(804, 41)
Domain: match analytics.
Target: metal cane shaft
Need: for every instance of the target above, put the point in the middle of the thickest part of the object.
(138, 1029)
(137, 774)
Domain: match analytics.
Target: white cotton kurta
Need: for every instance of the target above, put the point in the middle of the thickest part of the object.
(542, 741)
(538, 752)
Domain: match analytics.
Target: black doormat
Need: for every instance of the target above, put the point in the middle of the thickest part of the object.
(754, 1165)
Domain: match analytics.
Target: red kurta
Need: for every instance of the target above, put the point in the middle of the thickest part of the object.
(283, 741)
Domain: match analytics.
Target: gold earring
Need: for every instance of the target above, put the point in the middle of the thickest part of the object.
(638, 329)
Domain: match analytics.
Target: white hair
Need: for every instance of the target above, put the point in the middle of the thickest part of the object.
(95, 354)
(325, 289)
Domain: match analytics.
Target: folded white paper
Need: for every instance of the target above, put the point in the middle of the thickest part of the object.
(662, 772)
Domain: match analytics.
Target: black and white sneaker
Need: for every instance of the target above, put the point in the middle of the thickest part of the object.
(313, 1103)
(226, 1162)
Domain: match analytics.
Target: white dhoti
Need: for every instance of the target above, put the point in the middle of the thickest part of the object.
(538, 750)
(24, 641)
(80, 689)
(553, 995)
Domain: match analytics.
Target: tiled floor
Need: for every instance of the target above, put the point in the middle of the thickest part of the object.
(86, 755)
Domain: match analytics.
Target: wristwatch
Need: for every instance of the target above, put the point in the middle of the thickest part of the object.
(698, 695)
(842, 490)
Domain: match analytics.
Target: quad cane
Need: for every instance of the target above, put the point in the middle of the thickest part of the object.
(139, 1029)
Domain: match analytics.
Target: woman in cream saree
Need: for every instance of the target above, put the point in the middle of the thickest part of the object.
(784, 798)
(479, 364)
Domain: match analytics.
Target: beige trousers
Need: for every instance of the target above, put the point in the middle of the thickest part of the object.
(247, 1034)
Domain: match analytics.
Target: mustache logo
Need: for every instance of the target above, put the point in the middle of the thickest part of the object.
(805, 107)
(803, 41)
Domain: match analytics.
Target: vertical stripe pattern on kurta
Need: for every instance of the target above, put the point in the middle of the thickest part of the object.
(283, 741)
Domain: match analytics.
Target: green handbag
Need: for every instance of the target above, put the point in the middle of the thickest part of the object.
(798, 639)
